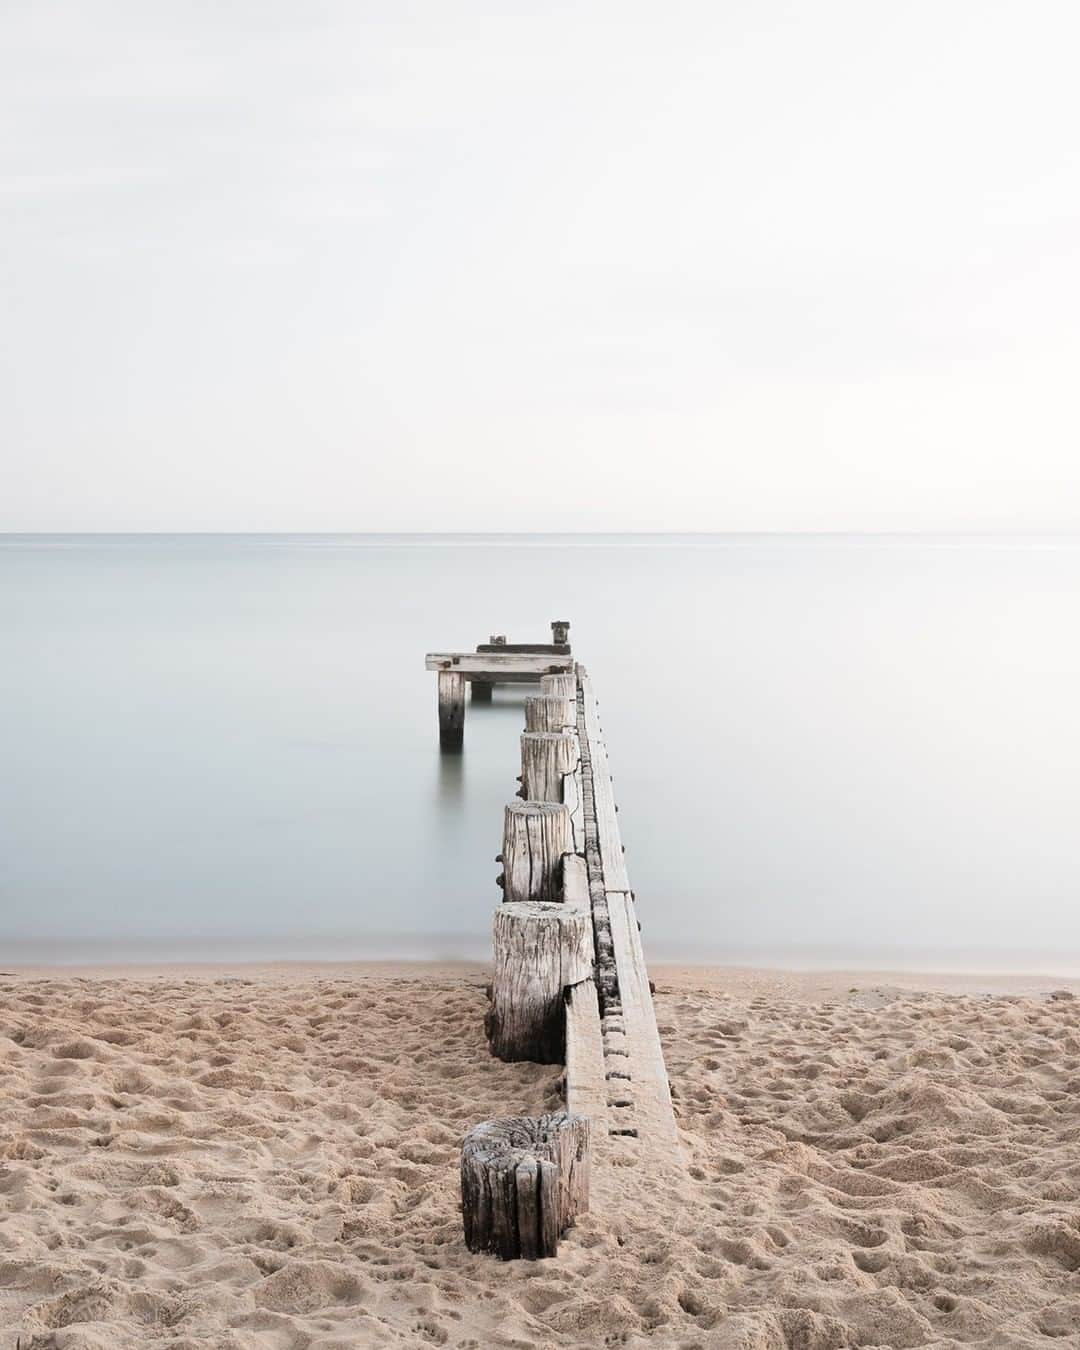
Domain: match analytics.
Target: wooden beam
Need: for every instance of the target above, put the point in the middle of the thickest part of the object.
(638, 1098)
(539, 648)
(648, 1086)
(611, 848)
(498, 663)
(586, 1088)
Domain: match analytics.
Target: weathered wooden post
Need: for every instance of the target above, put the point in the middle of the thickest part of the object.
(524, 1180)
(560, 632)
(559, 686)
(540, 949)
(548, 712)
(535, 837)
(545, 757)
(451, 709)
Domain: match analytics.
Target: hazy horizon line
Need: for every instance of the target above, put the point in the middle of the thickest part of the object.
(539, 534)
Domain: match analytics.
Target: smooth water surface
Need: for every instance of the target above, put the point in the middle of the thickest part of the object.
(826, 750)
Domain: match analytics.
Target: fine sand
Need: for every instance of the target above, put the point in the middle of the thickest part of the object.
(267, 1157)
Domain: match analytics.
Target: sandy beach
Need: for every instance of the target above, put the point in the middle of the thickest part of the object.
(267, 1157)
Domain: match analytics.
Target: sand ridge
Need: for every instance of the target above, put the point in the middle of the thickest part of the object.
(269, 1158)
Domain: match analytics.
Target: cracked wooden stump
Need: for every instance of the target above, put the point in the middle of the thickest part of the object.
(535, 837)
(540, 950)
(524, 1179)
(546, 758)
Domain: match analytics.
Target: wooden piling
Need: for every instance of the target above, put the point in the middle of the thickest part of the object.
(559, 686)
(549, 712)
(535, 837)
(546, 756)
(540, 950)
(451, 709)
(524, 1180)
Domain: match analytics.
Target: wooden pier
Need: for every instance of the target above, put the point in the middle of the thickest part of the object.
(570, 983)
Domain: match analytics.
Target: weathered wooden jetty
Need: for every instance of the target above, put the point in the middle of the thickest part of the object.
(570, 983)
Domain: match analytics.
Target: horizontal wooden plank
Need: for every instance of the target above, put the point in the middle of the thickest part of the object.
(539, 648)
(499, 664)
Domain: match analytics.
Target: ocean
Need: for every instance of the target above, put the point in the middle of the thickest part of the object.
(828, 750)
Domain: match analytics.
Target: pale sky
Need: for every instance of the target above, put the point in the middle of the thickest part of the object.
(552, 266)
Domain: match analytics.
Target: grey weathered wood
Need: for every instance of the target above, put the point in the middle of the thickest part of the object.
(529, 1222)
(499, 663)
(536, 835)
(537, 648)
(548, 712)
(586, 1085)
(560, 685)
(572, 800)
(524, 1180)
(560, 630)
(653, 1116)
(546, 757)
(451, 709)
(638, 1098)
(611, 849)
(575, 881)
(540, 948)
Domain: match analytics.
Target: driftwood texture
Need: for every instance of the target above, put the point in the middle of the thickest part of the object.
(524, 1179)
(546, 756)
(549, 712)
(535, 837)
(540, 949)
(451, 709)
(560, 686)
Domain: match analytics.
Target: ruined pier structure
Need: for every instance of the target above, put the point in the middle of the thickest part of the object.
(570, 984)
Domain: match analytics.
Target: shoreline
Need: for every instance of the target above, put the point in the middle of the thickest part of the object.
(807, 985)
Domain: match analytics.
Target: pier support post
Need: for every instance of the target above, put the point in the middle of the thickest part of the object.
(451, 709)
(540, 949)
(548, 712)
(524, 1179)
(535, 837)
(481, 690)
(545, 757)
(559, 686)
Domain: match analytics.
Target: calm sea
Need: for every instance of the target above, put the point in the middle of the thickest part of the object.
(826, 751)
